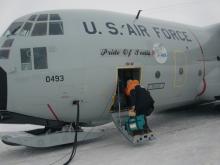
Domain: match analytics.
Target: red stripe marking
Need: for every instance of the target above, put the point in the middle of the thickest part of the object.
(203, 89)
(52, 111)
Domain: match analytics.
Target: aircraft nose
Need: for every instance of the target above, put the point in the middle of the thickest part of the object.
(3, 89)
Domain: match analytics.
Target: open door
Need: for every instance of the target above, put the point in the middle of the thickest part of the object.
(121, 103)
(124, 74)
(3, 89)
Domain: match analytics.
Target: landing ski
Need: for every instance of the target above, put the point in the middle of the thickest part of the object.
(48, 139)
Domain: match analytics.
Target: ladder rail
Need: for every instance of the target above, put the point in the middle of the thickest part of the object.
(119, 103)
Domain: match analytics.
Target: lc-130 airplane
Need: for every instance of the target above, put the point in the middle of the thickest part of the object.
(50, 59)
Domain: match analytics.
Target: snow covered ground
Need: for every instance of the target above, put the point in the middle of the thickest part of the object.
(184, 136)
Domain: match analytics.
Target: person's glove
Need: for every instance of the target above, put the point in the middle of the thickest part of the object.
(131, 112)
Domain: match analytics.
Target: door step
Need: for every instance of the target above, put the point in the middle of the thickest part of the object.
(119, 122)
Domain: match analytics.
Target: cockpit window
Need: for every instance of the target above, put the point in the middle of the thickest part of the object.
(40, 29)
(32, 18)
(4, 54)
(54, 17)
(26, 63)
(13, 28)
(38, 25)
(43, 17)
(26, 29)
(56, 28)
(40, 58)
(8, 43)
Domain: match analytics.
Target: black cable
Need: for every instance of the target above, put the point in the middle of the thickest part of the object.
(76, 134)
(73, 150)
(105, 109)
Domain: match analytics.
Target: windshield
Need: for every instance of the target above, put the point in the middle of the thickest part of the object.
(13, 28)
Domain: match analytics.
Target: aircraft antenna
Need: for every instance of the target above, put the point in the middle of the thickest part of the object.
(138, 14)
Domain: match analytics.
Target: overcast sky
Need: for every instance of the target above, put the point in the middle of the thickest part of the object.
(193, 12)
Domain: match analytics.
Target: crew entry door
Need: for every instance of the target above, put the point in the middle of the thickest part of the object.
(120, 115)
(3, 89)
(124, 74)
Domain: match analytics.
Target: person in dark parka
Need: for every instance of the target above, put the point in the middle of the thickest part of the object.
(141, 102)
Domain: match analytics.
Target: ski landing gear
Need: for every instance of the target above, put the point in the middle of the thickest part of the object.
(46, 139)
(127, 129)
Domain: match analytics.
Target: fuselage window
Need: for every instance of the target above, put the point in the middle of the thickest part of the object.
(43, 17)
(4, 54)
(54, 17)
(32, 18)
(56, 28)
(13, 28)
(26, 62)
(40, 29)
(40, 58)
(26, 29)
(8, 43)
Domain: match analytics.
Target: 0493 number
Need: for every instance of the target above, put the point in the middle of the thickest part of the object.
(55, 78)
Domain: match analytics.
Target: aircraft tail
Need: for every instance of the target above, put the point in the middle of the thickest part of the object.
(214, 40)
(215, 28)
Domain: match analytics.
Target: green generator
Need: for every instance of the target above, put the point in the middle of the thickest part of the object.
(134, 124)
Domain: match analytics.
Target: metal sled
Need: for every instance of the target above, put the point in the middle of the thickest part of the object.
(119, 122)
(47, 139)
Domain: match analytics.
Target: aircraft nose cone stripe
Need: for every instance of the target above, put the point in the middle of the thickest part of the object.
(3, 89)
(53, 112)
